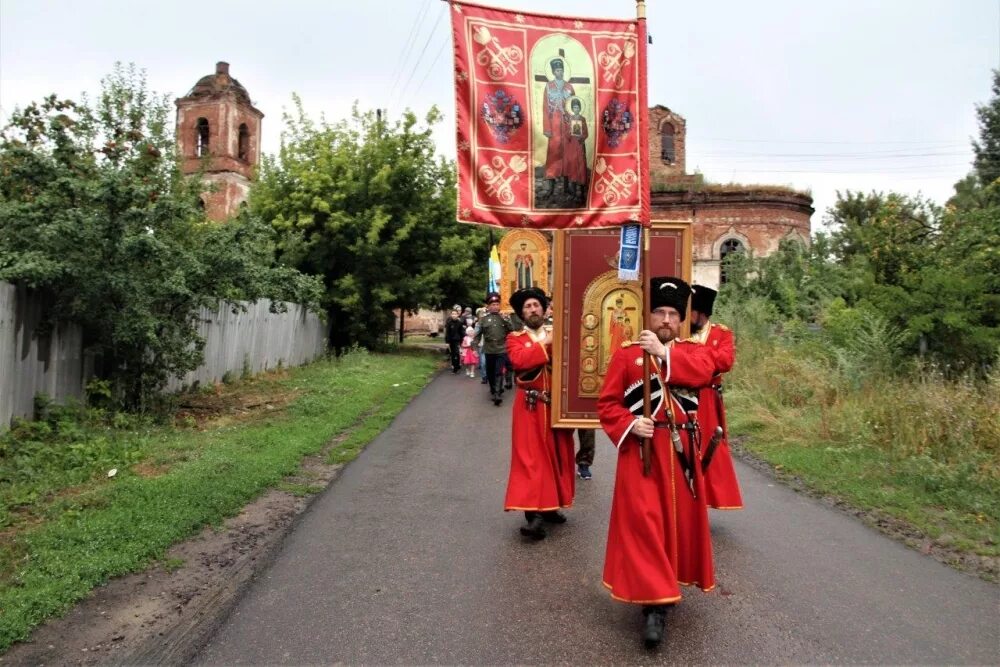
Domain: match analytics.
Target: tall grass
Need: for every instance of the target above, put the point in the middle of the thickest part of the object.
(837, 405)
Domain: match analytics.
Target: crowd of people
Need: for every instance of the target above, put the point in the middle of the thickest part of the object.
(673, 461)
(476, 345)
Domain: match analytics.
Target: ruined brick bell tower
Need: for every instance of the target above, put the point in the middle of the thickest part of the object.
(218, 130)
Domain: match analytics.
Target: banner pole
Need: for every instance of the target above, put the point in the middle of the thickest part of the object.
(489, 265)
(644, 269)
(647, 412)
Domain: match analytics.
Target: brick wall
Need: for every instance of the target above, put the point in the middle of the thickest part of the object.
(224, 119)
(224, 194)
(659, 117)
(757, 219)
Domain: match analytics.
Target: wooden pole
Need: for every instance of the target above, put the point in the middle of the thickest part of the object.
(644, 273)
(647, 411)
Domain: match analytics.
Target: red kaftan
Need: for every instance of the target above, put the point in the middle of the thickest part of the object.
(721, 486)
(658, 537)
(542, 472)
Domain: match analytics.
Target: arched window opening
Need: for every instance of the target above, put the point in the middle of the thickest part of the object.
(201, 204)
(201, 137)
(795, 240)
(728, 247)
(244, 145)
(667, 153)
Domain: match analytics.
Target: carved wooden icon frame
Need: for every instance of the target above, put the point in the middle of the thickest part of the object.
(594, 311)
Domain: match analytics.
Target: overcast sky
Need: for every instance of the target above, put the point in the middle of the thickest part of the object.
(823, 95)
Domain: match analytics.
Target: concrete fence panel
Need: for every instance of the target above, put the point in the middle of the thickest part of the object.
(34, 360)
(254, 340)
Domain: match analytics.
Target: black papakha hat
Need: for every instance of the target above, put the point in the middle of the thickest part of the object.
(669, 291)
(703, 298)
(521, 296)
(492, 296)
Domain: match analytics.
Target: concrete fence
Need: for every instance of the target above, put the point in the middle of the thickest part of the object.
(254, 341)
(33, 360)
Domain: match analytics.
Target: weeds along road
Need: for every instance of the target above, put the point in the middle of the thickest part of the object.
(408, 558)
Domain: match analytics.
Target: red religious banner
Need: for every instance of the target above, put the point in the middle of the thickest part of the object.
(549, 116)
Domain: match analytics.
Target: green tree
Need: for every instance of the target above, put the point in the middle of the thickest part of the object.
(96, 215)
(848, 218)
(981, 186)
(365, 204)
(893, 232)
(797, 280)
(932, 272)
(987, 149)
(954, 298)
(892, 263)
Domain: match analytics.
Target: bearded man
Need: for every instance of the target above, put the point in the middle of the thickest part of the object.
(542, 474)
(658, 537)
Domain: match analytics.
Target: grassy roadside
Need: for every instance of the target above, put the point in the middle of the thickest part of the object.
(69, 527)
(920, 449)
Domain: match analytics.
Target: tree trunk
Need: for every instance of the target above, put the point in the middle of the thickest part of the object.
(402, 326)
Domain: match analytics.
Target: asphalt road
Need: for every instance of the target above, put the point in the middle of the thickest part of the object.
(408, 558)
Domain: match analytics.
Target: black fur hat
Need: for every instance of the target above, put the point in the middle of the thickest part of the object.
(669, 291)
(702, 299)
(518, 298)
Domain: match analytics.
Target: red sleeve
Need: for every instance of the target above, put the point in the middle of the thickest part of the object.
(690, 365)
(525, 353)
(615, 417)
(723, 350)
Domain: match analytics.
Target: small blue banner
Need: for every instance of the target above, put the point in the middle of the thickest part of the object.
(628, 255)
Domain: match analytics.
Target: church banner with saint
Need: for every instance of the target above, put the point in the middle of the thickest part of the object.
(548, 119)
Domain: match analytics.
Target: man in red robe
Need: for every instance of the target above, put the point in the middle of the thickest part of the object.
(721, 486)
(542, 472)
(658, 537)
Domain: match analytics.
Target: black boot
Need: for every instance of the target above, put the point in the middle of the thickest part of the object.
(652, 632)
(534, 529)
(554, 516)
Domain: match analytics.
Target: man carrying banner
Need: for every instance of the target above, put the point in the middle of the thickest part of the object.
(658, 537)
(542, 474)
(722, 490)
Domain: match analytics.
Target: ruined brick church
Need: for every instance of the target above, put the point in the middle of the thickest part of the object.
(218, 135)
(723, 218)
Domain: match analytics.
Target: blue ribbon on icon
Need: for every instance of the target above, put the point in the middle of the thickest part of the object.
(628, 254)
